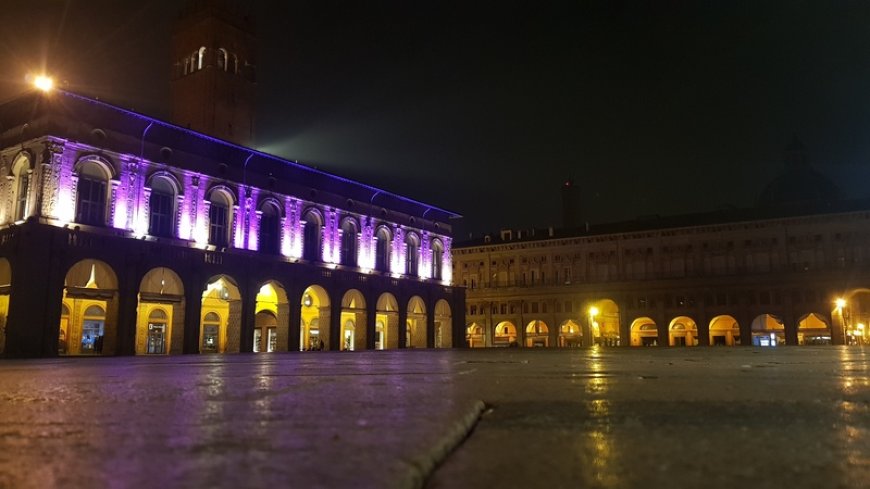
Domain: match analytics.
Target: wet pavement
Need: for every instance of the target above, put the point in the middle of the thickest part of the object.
(656, 417)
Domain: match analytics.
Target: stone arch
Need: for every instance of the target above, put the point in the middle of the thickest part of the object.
(416, 322)
(160, 289)
(683, 331)
(315, 317)
(813, 329)
(5, 295)
(505, 334)
(271, 333)
(644, 332)
(724, 331)
(89, 283)
(387, 322)
(604, 322)
(767, 330)
(537, 334)
(221, 299)
(443, 325)
(353, 321)
(475, 336)
(570, 334)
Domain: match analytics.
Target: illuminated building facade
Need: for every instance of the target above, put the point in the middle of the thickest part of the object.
(795, 270)
(122, 234)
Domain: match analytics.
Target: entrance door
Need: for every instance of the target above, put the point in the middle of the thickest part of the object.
(156, 339)
(210, 338)
(92, 337)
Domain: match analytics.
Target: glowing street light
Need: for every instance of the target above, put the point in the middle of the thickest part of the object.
(840, 303)
(44, 83)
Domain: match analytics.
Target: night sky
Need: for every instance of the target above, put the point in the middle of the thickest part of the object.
(486, 108)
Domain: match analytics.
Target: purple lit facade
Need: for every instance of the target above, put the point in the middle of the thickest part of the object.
(98, 173)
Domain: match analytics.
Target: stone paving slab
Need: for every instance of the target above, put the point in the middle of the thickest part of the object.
(646, 418)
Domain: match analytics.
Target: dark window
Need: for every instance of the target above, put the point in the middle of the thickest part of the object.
(437, 261)
(21, 195)
(161, 218)
(218, 234)
(311, 246)
(411, 257)
(382, 252)
(91, 207)
(348, 244)
(270, 230)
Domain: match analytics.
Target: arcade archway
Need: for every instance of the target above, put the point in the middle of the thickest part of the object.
(387, 322)
(767, 330)
(443, 325)
(221, 323)
(353, 321)
(474, 336)
(604, 322)
(90, 299)
(724, 331)
(813, 329)
(5, 292)
(537, 334)
(505, 334)
(644, 332)
(314, 330)
(415, 335)
(160, 313)
(683, 332)
(570, 334)
(271, 318)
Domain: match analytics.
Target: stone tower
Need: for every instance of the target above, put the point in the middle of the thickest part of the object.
(213, 61)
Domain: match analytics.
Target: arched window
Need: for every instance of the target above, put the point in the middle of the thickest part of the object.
(311, 246)
(161, 208)
(219, 219)
(91, 194)
(412, 254)
(382, 250)
(437, 259)
(270, 228)
(223, 59)
(348, 243)
(200, 58)
(21, 176)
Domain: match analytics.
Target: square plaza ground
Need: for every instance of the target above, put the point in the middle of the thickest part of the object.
(590, 417)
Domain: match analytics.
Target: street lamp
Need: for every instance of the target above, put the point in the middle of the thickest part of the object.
(43, 83)
(841, 304)
(593, 326)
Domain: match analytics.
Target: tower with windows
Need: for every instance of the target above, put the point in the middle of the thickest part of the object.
(212, 79)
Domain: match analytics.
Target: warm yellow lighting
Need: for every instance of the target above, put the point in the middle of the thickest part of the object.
(43, 83)
(860, 325)
(841, 303)
(593, 311)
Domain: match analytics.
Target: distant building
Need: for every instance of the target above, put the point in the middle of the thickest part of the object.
(121, 234)
(795, 270)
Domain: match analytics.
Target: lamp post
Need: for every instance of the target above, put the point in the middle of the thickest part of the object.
(593, 311)
(841, 304)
